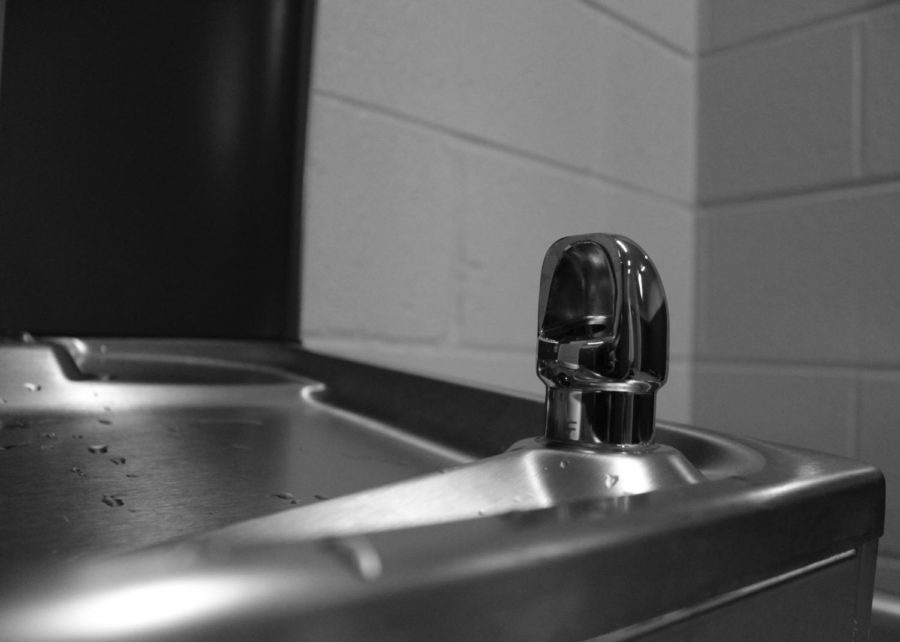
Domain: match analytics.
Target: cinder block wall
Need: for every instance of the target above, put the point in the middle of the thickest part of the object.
(798, 292)
(451, 142)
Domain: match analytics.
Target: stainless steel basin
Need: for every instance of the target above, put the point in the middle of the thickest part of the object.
(314, 504)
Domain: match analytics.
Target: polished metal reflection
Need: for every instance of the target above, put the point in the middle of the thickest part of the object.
(602, 341)
(527, 477)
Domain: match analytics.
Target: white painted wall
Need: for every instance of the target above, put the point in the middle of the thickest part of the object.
(451, 143)
(798, 292)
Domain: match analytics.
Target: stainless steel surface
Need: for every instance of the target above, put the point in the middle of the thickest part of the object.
(602, 341)
(806, 604)
(527, 478)
(216, 452)
(886, 605)
(885, 617)
(117, 460)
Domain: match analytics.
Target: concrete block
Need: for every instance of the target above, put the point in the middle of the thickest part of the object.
(515, 209)
(673, 22)
(776, 118)
(805, 407)
(561, 81)
(728, 22)
(881, 99)
(380, 242)
(815, 280)
(880, 443)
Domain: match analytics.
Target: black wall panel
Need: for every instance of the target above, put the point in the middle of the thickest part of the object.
(148, 155)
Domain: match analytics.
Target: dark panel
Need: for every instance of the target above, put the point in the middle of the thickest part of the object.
(147, 166)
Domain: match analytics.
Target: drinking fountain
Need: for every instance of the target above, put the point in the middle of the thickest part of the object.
(161, 489)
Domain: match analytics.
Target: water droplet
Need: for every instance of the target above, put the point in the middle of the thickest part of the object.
(546, 468)
(610, 480)
(49, 435)
(105, 422)
(130, 475)
(2, 400)
(284, 496)
(118, 461)
(47, 446)
(14, 425)
(32, 387)
(107, 409)
(103, 347)
(113, 500)
(108, 376)
(563, 464)
(77, 471)
(77, 436)
(321, 498)
(99, 448)
(481, 513)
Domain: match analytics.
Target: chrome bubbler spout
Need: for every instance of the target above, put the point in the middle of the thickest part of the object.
(602, 341)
